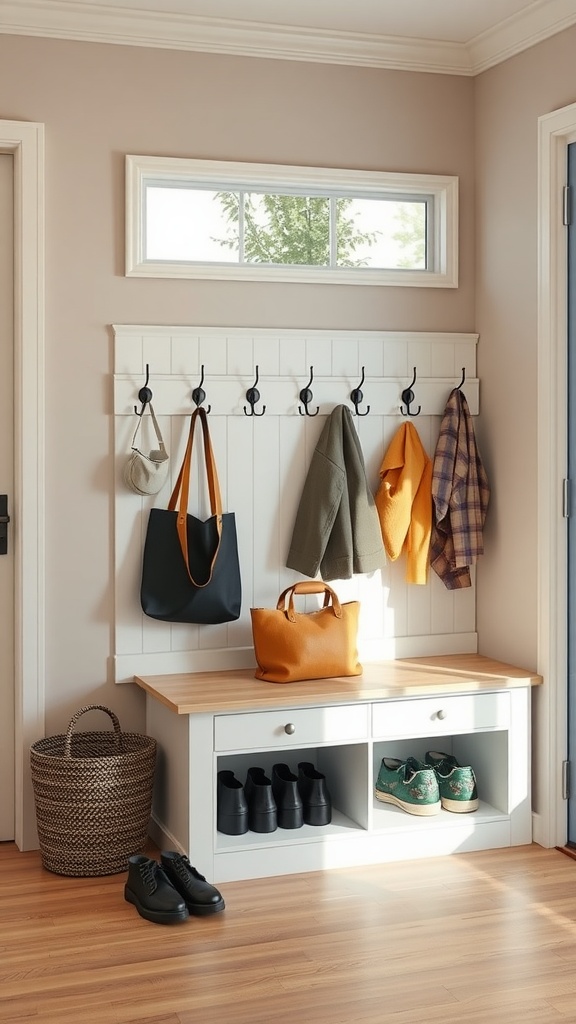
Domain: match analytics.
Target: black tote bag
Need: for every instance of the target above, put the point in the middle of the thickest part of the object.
(190, 570)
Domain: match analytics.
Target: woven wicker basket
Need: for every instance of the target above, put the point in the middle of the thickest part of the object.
(93, 797)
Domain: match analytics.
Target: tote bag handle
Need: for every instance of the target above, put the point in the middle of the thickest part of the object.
(179, 498)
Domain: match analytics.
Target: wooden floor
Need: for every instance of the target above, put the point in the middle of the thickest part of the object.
(476, 938)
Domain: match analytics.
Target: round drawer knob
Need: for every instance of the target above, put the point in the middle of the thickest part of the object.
(290, 729)
(441, 714)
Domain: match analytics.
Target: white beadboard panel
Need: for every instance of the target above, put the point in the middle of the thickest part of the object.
(441, 605)
(396, 361)
(156, 352)
(265, 356)
(213, 353)
(184, 355)
(262, 465)
(443, 360)
(158, 636)
(419, 646)
(371, 357)
(465, 605)
(129, 665)
(418, 608)
(128, 356)
(293, 358)
(266, 492)
(319, 353)
(293, 469)
(397, 601)
(419, 356)
(374, 433)
(240, 490)
(181, 636)
(345, 360)
(240, 360)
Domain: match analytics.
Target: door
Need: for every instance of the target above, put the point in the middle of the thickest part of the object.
(7, 689)
(571, 507)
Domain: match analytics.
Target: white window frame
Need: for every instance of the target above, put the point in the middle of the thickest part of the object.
(440, 190)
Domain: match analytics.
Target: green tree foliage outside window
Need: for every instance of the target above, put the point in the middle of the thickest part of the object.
(292, 229)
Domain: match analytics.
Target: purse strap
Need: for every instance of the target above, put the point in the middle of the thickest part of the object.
(308, 587)
(156, 428)
(179, 497)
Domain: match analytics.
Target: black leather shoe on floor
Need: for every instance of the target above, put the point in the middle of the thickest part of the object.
(200, 897)
(315, 796)
(152, 893)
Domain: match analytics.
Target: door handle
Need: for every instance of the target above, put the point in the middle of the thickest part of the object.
(4, 520)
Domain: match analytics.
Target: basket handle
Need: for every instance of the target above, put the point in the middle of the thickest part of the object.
(82, 711)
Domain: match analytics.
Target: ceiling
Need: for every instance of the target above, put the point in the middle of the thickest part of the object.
(461, 37)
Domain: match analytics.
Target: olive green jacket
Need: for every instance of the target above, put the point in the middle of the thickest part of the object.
(337, 530)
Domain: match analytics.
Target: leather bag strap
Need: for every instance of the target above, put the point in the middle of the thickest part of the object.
(308, 587)
(179, 497)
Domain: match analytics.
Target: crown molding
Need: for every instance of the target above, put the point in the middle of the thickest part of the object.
(534, 25)
(68, 19)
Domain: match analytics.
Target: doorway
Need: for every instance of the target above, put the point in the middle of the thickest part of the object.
(570, 496)
(7, 707)
(556, 133)
(23, 142)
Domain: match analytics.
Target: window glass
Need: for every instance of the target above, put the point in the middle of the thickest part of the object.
(187, 224)
(382, 233)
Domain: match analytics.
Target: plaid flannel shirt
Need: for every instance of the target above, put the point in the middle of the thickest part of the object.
(460, 494)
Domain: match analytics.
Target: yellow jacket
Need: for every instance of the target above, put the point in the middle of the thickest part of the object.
(404, 502)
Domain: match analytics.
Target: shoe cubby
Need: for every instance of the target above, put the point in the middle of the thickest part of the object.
(346, 771)
(486, 753)
(344, 732)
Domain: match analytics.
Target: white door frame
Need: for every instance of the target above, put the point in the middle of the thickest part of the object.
(25, 141)
(555, 132)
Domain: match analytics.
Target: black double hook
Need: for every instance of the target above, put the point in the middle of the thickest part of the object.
(198, 394)
(306, 397)
(253, 396)
(408, 398)
(356, 396)
(145, 394)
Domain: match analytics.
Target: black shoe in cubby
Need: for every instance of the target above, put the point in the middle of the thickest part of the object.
(315, 795)
(232, 806)
(262, 811)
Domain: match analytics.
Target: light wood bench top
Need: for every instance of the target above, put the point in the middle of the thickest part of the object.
(237, 689)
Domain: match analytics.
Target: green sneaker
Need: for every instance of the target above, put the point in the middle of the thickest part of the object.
(457, 784)
(409, 784)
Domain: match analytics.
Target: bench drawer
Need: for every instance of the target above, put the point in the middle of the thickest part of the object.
(291, 727)
(440, 716)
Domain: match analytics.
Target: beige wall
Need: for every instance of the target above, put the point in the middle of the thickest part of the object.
(509, 100)
(99, 103)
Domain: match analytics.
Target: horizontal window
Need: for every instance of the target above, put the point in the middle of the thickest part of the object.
(196, 218)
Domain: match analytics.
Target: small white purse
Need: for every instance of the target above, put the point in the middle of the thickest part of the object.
(147, 474)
